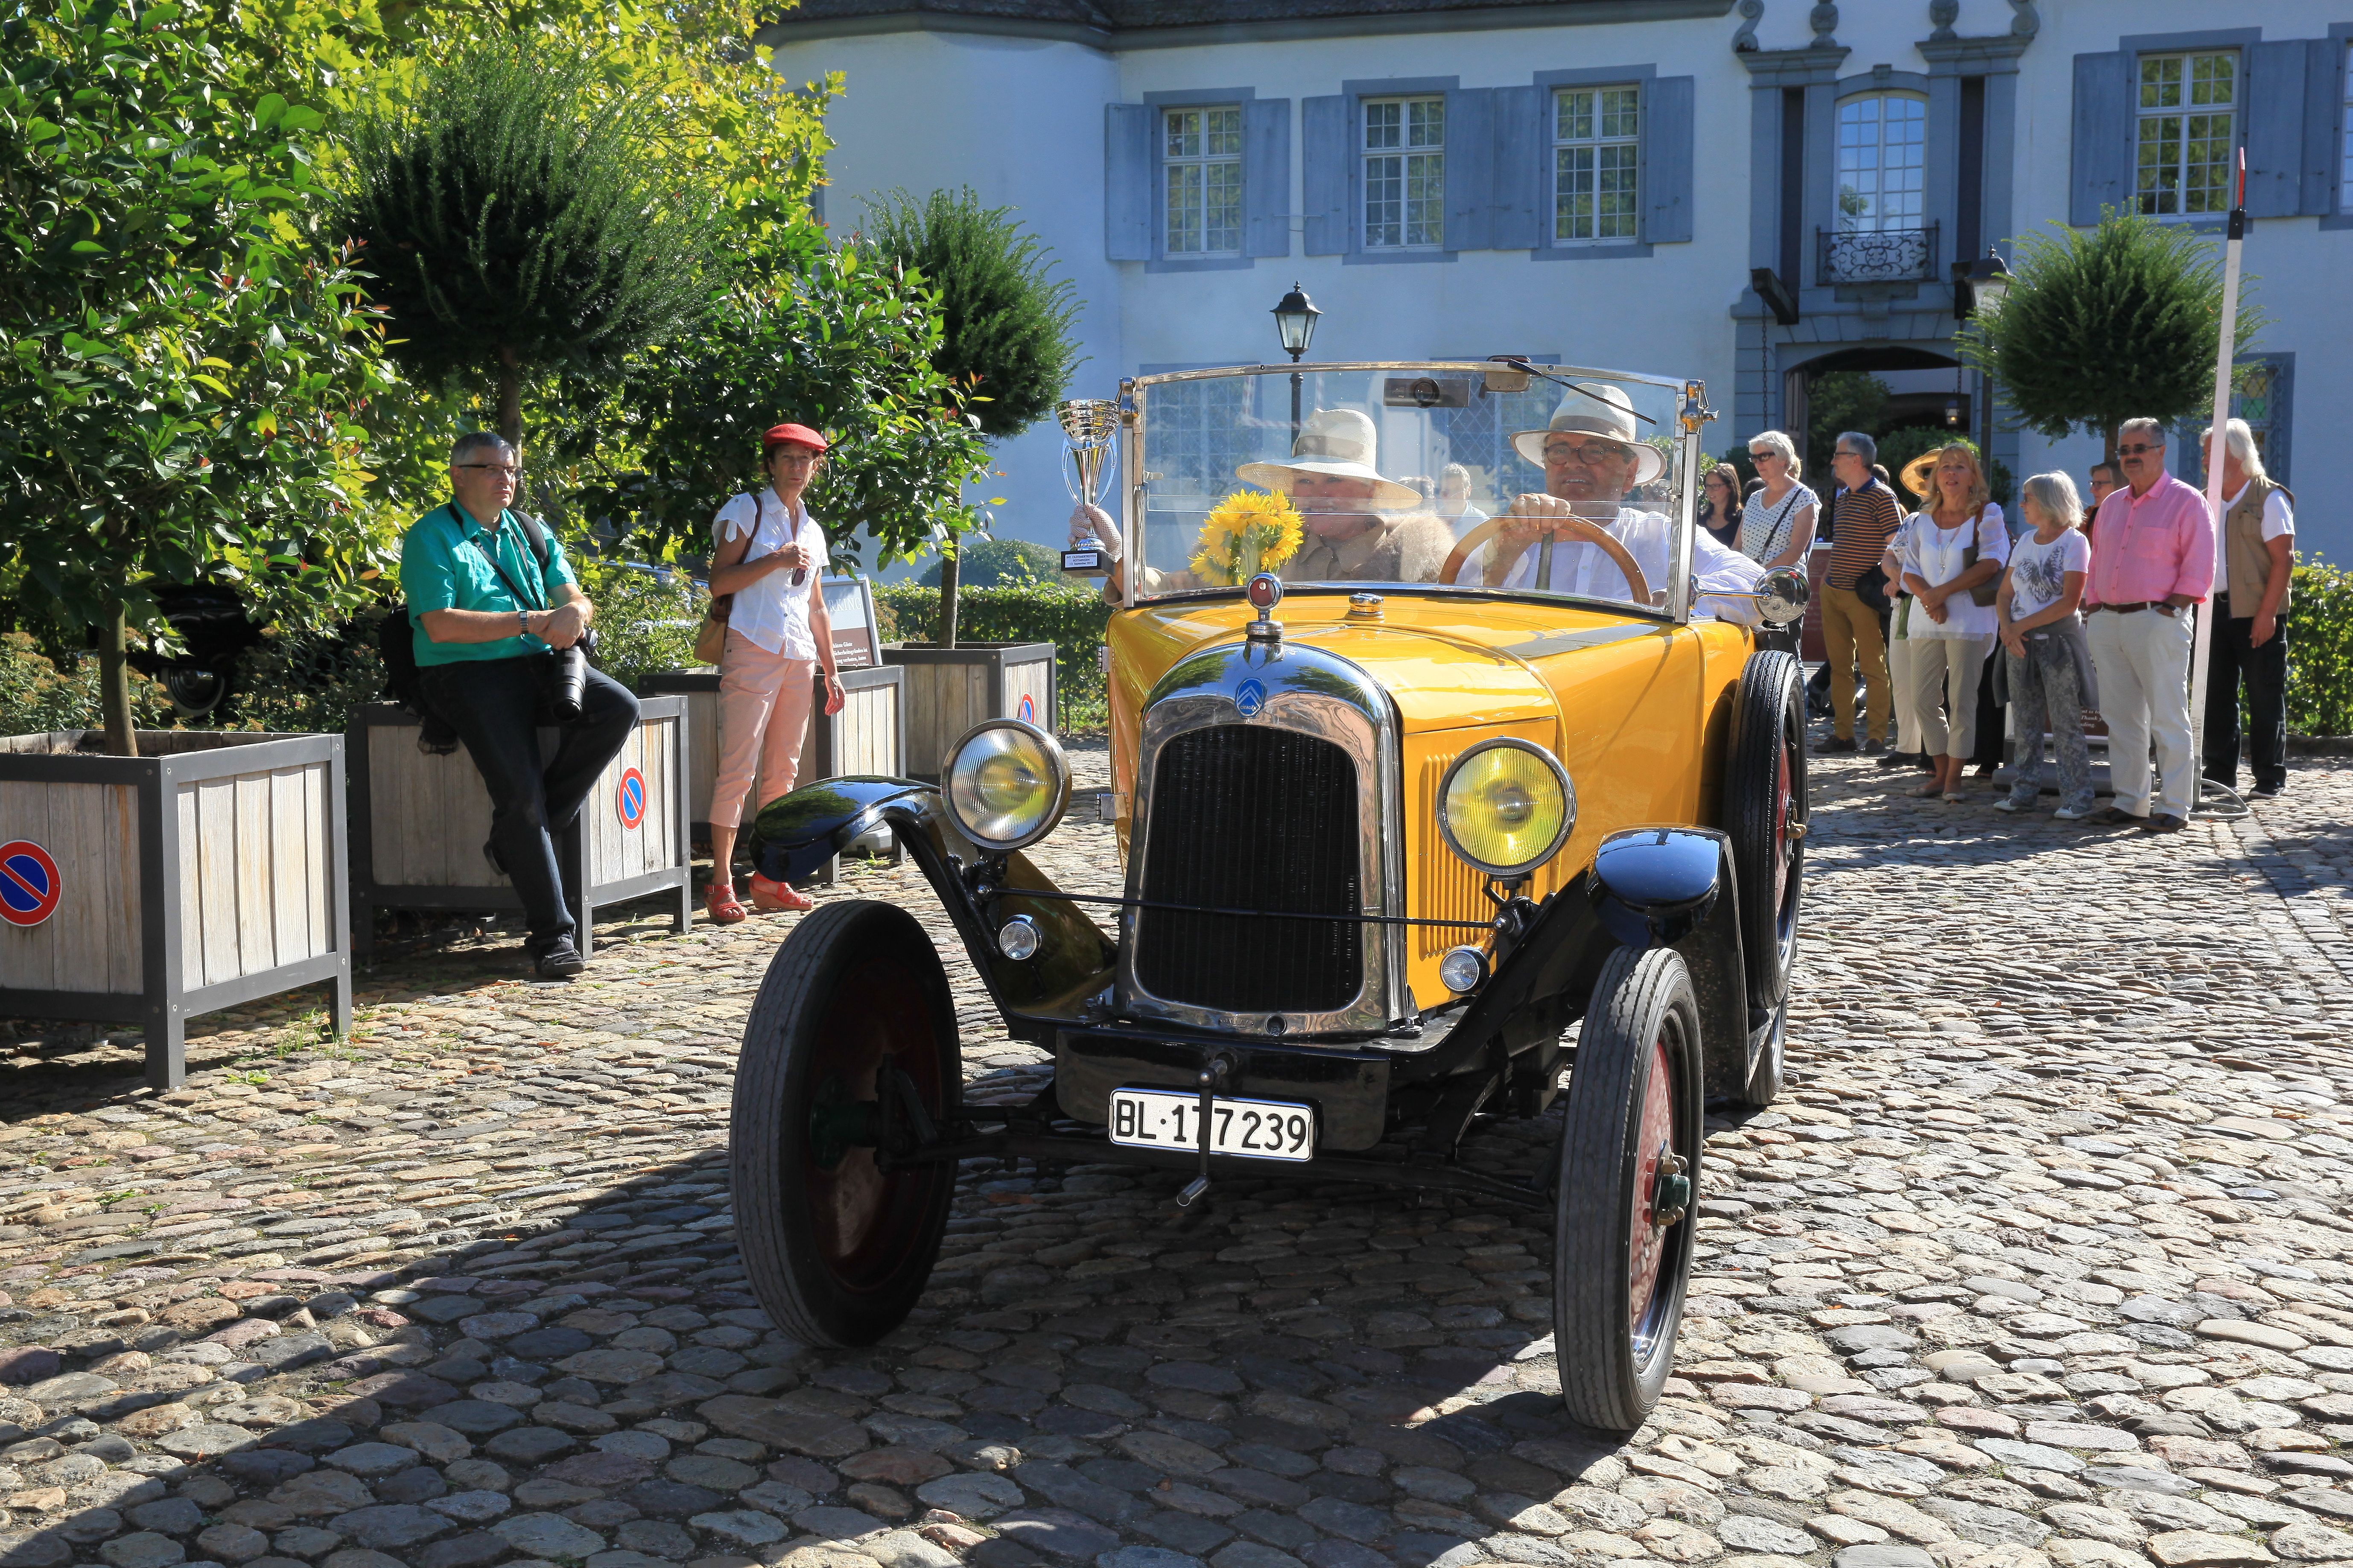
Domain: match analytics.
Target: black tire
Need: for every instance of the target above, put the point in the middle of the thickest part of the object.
(1764, 809)
(1620, 1276)
(837, 1250)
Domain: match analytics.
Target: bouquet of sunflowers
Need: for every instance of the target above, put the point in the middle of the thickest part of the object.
(1248, 532)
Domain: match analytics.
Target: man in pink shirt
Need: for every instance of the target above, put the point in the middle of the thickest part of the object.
(2152, 558)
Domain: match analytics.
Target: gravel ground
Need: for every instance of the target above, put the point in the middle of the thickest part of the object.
(2043, 1261)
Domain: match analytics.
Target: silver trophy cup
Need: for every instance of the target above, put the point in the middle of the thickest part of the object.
(1088, 427)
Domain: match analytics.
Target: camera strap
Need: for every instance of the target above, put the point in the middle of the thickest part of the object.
(535, 602)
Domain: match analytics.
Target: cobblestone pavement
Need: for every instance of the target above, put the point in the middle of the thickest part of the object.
(2043, 1261)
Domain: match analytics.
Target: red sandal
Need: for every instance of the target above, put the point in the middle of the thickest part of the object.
(776, 898)
(720, 900)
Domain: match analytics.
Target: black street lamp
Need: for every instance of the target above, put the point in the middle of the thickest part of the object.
(1979, 285)
(1294, 323)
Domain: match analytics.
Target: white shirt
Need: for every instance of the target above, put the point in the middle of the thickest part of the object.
(1586, 569)
(2279, 523)
(1933, 553)
(773, 611)
(1766, 531)
(2038, 572)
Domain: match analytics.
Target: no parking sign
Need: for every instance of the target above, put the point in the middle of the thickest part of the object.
(29, 884)
(629, 801)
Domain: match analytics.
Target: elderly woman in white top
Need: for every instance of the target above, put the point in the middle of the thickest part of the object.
(1777, 526)
(1953, 551)
(771, 558)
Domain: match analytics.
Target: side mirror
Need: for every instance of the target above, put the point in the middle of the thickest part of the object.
(1782, 594)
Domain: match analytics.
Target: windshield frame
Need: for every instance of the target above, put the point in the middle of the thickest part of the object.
(1690, 398)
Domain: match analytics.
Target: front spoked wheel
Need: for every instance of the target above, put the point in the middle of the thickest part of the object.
(853, 1035)
(1628, 1178)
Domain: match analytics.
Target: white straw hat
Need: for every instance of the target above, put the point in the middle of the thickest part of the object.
(1335, 441)
(1596, 408)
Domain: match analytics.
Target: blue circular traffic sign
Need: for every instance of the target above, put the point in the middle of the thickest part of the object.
(29, 884)
(630, 801)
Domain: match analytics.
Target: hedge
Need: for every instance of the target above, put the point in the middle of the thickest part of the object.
(1070, 618)
(2320, 651)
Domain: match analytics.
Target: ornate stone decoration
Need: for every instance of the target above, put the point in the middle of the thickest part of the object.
(1823, 19)
(1751, 11)
(1941, 15)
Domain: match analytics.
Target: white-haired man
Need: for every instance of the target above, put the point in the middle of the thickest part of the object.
(1593, 458)
(2247, 640)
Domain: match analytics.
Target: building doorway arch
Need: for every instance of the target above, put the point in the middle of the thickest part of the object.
(1926, 388)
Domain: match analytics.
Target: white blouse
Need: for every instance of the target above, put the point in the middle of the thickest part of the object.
(1933, 555)
(773, 611)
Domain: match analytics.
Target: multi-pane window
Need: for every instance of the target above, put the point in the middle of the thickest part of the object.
(2345, 163)
(1201, 160)
(1405, 173)
(1596, 149)
(2188, 107)
(1882, 163)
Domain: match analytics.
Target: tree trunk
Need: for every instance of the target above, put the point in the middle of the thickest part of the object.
(2114, 435)
(114, 682)
(948, 594)
(511, 398)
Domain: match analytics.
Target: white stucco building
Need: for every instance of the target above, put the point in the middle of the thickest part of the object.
(1751, 193)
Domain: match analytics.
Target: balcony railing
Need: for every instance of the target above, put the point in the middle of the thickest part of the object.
(1876, 256)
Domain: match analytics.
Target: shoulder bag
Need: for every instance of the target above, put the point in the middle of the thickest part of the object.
(711, 637)
(1984, 592)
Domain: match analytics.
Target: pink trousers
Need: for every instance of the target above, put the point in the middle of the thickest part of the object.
(765, 701)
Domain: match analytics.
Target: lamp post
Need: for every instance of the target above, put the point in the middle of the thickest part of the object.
(1979, 286)
(1294, 323)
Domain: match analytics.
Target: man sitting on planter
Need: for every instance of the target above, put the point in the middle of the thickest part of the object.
(495, 604)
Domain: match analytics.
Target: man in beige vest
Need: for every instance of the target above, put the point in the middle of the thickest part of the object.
(2249, 614)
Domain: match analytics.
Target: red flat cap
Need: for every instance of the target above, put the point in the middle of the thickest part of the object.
(800, 434)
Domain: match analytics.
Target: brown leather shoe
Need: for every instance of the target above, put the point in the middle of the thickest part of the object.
(2164, 822)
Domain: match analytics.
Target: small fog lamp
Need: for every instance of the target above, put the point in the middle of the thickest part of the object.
(1006, 784)
(1018, 938)
(1506, 806)
(1463, 970)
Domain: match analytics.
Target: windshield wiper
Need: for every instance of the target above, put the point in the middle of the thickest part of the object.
(1519, 364)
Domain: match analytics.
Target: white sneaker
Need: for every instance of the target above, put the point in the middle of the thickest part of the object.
(2005, 804)
(2069, 814)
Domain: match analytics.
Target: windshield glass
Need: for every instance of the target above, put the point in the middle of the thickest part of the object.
(1437, 474)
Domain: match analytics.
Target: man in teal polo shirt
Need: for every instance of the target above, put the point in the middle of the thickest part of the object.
(488, 616)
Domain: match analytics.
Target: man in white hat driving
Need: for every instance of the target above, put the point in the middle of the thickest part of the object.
(1357, 525)
(1592, 457)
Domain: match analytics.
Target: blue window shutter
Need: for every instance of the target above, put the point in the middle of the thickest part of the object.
(2276, 129)
(1469, 169)
(2103, 142)
(1519, 196)
(1266, 177)
(1669, 105)
(2322, 87)
(1323, 175)
(1128, 183)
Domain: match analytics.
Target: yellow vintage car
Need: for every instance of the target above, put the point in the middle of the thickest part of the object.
(1455, 773)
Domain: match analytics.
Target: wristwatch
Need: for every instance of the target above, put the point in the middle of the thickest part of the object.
(523, 623)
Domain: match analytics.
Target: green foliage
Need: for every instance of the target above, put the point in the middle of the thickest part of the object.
(809, 332)
(2320, 651)
(999, 563)
(2098, 326)
(1742, 463)
(184, 366)
(38, 696)
(645, 618)
(515, 223)
(1836, 402)
(1070, 618)
(1898, 447)
(1006, 323)
(310, 681)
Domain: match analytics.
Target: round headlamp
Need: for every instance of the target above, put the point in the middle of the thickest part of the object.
(1006, 784)
(1506, 806)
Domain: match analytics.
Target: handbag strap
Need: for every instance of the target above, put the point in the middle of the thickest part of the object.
(1789, 506)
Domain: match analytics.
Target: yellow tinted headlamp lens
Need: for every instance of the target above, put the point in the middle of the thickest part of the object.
(1505, 809)
(1005, 785)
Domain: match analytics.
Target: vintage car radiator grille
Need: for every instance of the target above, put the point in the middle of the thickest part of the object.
(1247, 816)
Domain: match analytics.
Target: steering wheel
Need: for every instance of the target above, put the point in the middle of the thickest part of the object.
(1575, 527)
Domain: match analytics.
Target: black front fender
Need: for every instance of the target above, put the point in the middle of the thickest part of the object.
(1038, 996)
(1675, 886)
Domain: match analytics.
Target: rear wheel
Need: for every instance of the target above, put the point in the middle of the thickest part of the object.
(1764, 809)
(855, 1009)
(1629, 1177)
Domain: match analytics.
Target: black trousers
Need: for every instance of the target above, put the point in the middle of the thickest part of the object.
(2265, 670)
(498, 707)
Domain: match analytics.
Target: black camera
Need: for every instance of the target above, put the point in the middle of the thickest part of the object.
(567, 677)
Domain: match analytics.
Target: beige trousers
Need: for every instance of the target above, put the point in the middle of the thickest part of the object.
(1945, 674)
(765, 702)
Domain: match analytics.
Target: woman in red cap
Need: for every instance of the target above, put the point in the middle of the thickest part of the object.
(771, 558)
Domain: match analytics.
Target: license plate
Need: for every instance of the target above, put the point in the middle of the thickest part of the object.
(1171, 1119)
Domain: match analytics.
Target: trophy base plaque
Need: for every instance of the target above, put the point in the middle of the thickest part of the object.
(1086, 560)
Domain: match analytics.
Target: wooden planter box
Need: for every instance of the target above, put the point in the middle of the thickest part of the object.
(868, 736)
(423, 820)
(950, 690)
(205, 872)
